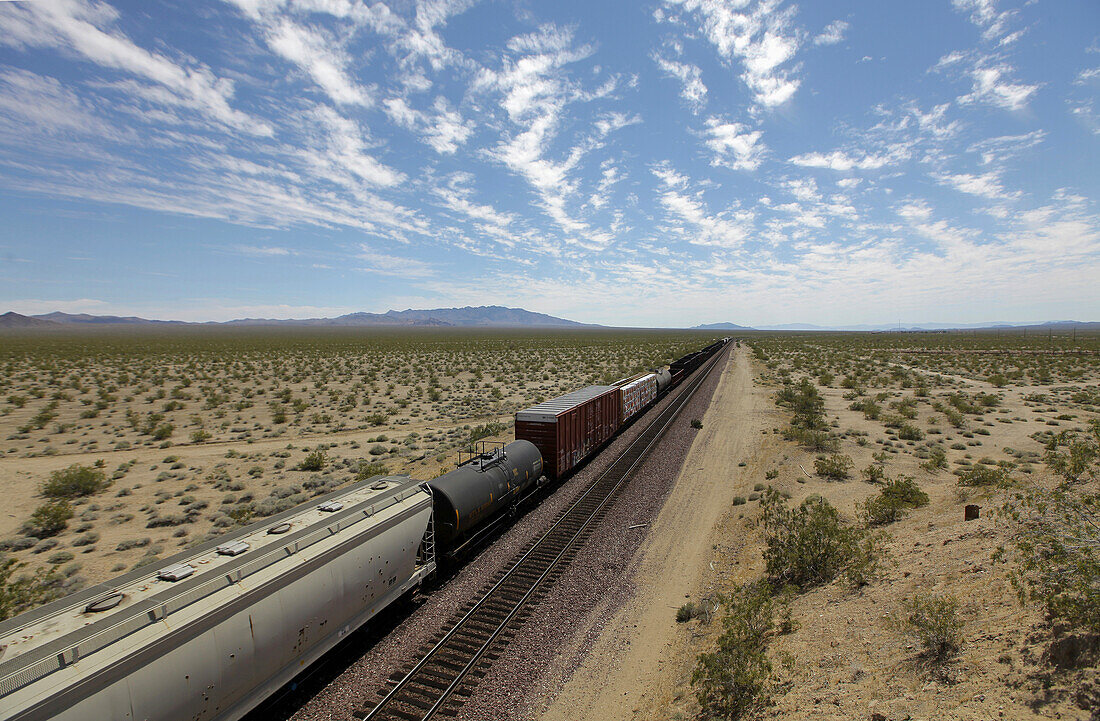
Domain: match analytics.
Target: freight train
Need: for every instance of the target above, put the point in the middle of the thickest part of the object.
(210, 633)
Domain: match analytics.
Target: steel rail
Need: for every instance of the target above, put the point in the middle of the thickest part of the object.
(609, 482)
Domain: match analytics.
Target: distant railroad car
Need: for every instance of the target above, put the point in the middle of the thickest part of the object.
(636, 394)
(664, 380)
(569, 428)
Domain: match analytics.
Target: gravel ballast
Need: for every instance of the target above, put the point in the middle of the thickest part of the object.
(528, 670)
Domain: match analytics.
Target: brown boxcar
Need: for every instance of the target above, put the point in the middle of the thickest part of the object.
(569, 428)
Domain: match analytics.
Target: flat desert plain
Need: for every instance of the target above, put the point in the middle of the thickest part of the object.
(192, 432)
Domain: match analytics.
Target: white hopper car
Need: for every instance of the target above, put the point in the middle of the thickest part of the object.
(208, 634)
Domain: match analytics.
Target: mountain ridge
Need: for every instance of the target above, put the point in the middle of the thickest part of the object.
(725, 325)
(486, 316)
(11, 319)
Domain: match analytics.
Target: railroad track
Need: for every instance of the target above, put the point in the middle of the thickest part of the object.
(447, 671)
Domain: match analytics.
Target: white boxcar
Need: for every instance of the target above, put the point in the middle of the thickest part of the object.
(256, 607)
(637, 393)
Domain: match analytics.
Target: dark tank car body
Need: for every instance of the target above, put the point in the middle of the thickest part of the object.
(480, 488)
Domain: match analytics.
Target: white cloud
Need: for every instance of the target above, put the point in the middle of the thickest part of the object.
(380, 263)
(805, 189)
(1002, 148)
(991, 87)
(832, 34)
(668, 176)
(45, 118)
(456, 196)
(986, 185)
(733, 145)
(692, 88)
(725, 230)
(985, 15)
(342, 147)
(609, 176)
(265, 250)
(320, 56)
(536, 90)
(838, 160)
(760, 37)
(933, 122)
(444, 128)
(73, 26)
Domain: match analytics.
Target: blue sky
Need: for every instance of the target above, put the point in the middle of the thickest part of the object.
(629, 163)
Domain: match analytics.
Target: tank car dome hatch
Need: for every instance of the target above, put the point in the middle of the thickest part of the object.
(104, 604)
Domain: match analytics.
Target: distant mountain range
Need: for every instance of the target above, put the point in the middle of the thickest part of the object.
(721, 326)
(14, 320)
(486, 316)
(489, 316)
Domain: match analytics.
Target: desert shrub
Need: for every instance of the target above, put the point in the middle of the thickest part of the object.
(168, 520)
(835, 467)
(897, 496)
(26, 591)
(74, 482)
(88, 538)
(162, 432)
(907, 408)
(50, 518)
(200, 435)
(734, 679)
(909, 432)
(241, 514)
(814, 440)
(981, 475)
(937, 459)
(696, 423)
(874, 473)
(1056, 537)
(371, 468)
(808, 545)
(934, 622)
(133, 543)
(806, 402)
(314, 461)
(59, 557)
(870, 409)
(1075, 456)
(686, 612)
(484, 431)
